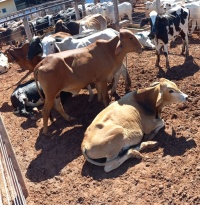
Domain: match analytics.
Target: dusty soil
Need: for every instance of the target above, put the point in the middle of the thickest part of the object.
(55, 171)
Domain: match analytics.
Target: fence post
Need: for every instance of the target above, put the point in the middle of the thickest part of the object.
(27, 29)
(116, 14)
(75, 5)
(83, 8)
(158, 6)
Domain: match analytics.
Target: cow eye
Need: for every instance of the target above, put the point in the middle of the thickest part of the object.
(171, 91)
(131, 38)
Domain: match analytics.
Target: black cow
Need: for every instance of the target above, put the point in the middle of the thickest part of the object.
(66, 15)
(71, 27)
(43, 23)
(168, 27)
(26, 97)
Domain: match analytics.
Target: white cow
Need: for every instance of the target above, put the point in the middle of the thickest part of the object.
(151, 6)
(4, 65)
(143, 38)
(124, 8)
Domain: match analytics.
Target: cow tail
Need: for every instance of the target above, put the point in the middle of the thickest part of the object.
(36, 82)
(97, 163)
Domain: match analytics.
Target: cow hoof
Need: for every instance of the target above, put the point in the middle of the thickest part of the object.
(148, 145)
(134, 154)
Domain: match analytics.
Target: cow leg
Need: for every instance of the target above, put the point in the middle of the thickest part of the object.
(98, 87)
(126, 77)
(116, 80)
(166, 55)
(59, 108)
(158, 48)
(159, 123)
(46, 112)
(119, 160)
(104, 91)
(90, 93)
(184, 37)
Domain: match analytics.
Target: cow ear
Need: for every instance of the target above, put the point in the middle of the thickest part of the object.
(144, 22)
(118, 48)
(57, 49)
(159, 98)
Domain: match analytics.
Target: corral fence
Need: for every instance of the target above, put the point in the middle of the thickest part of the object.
(12, 186)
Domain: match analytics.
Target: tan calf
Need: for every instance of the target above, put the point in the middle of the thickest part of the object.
(73, 70)
(124, 123)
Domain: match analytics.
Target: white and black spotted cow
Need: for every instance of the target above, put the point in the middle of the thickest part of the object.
(26, 97)
(167, 27)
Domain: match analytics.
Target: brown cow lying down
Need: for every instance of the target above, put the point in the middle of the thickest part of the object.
(73, 70)
(124, 123)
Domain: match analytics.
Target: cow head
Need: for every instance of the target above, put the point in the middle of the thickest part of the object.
(127, 42)
(153, 21)
(168, 93)
(48, 44)
(35, 48)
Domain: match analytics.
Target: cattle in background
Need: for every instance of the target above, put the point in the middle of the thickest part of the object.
(73, 70)
(12, 35)
(4, 65)
(117, 132)
(167, 27)
(125, 9)
(92, 22)
(194, 8)
(25, 98)
(66, 15)
(43, 23)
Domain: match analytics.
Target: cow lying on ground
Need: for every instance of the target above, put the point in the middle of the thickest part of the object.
(75, 69)
(117, 132)
(4, 65)
(25, 98)
(168, 27)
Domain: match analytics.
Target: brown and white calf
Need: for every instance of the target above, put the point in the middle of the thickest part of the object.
(123, 124)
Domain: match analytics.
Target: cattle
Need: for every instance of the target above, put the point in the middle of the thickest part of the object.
(4, 65)
(39, 45)
(43, 23)
(143, 38)
(124, 8)
(117, 132)
(49, 45)
(95, 22)
(12, 35)
(66, 15)
(194, 8)
(25, 98)
(72, 70)
(19, 55)
(151, 6)
(167, 27)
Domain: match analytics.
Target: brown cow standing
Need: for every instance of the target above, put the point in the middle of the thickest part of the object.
(73, 70)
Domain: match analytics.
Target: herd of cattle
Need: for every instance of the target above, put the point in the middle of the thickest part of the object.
(81, 52)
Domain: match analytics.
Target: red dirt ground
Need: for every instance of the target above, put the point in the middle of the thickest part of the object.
(55, 171)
